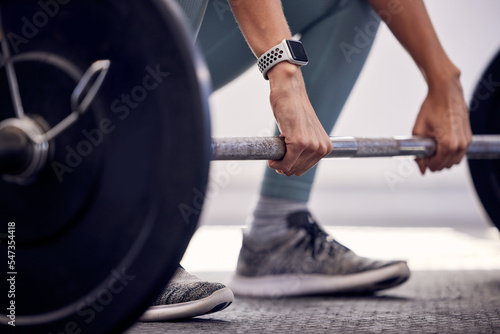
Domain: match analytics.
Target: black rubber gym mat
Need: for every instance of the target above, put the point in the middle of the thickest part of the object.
(430, 302)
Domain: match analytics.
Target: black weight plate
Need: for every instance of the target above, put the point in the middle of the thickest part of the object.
(485, 119)
(104, 225)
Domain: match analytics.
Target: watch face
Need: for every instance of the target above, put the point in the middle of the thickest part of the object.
(297, 50)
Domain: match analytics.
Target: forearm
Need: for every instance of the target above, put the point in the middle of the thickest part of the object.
(264, 25)
(443, 114)
(262, 22)
(410, 23)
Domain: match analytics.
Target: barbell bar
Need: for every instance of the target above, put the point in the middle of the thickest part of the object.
(274, 148)
(482, 147)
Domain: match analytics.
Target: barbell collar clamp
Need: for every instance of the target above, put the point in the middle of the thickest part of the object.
(10, 72)
(82, 97)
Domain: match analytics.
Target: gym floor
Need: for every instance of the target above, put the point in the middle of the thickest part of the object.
(382, 208)
(452, 249)
(431, 302)
(454, 288)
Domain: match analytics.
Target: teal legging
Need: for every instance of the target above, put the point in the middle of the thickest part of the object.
(337, 35)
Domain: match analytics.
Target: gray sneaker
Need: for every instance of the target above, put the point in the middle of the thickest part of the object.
(308, 261)
(187, 296)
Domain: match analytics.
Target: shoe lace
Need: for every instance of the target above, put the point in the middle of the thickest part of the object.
(318, 241)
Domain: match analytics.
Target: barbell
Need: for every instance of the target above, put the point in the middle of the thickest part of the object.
(273, 148)
(98, 198)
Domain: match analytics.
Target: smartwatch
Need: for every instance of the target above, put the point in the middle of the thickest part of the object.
(288, 50)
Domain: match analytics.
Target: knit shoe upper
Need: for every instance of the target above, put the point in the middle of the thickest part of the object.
(187, 296)
(317, 263)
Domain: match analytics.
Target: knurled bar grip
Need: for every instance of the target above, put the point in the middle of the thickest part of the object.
(273, 148)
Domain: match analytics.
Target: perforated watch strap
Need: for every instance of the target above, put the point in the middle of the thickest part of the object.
(270, 58)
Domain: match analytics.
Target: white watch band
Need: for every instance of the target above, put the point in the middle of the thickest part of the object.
(276, 55)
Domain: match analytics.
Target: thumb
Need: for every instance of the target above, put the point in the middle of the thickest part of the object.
(422, 165)
(273, 164)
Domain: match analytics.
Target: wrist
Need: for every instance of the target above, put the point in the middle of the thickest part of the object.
(285, 80)
(442, 76)
(283, 71)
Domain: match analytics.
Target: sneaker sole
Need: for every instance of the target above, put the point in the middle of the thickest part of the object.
(300, 284)
(217, 301)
